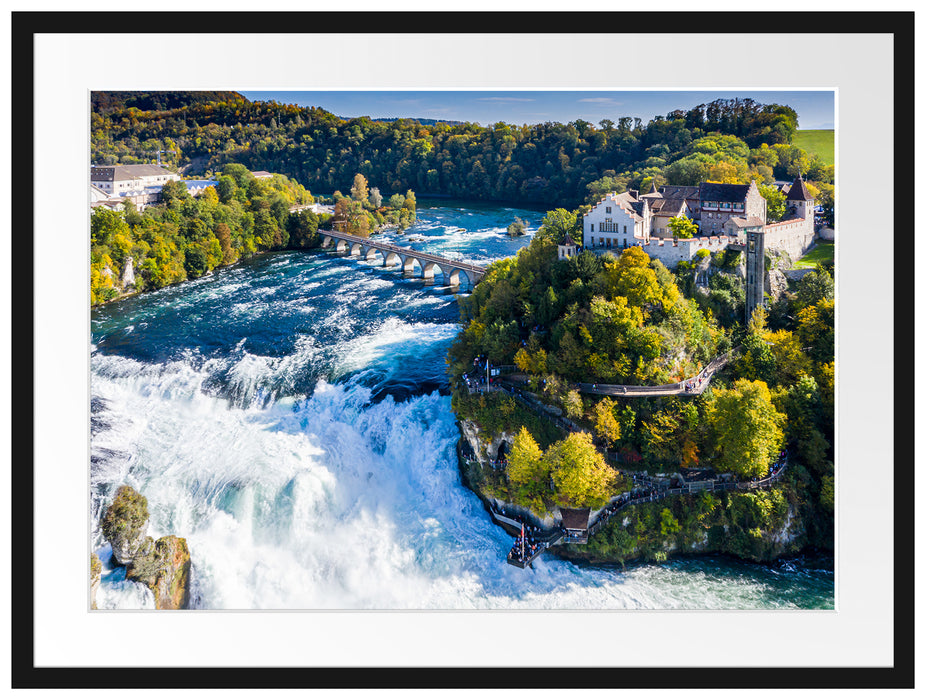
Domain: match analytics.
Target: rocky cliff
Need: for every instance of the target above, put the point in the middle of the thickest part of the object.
(760, 525)
(162, 565)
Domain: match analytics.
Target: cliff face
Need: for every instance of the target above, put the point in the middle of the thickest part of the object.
(758, 526)
(128, 275)
(692, 525)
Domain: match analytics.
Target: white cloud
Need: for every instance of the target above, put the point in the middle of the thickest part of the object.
(602, 100)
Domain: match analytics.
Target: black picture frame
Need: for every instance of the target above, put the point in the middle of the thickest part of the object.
(25, 673)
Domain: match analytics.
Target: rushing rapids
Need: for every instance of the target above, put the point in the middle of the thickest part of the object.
(288, 416)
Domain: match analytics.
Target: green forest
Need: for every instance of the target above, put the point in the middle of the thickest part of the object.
(184, 237)
(732, 140)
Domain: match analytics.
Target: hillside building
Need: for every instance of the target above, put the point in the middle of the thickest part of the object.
(725, 215)
(121, 179)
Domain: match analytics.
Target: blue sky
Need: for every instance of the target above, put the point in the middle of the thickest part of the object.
(815, 109)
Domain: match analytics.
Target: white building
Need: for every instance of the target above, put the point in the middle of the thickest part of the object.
(617, 221)
(99, 198)
(723, 212)
(123, 179)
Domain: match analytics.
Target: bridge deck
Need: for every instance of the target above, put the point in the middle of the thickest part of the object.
(409, 252)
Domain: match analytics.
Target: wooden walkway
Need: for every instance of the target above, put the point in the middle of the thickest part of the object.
(693, 386)
(648, 491)
(688, 387)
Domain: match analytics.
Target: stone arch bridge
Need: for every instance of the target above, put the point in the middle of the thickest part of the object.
(406, 258)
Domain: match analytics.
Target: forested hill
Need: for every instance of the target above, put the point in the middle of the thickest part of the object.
(118, 101)
(569, 164)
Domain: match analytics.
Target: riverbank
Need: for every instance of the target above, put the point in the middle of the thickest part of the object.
(754, 525)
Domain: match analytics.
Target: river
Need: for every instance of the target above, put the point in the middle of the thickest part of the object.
(289, 417)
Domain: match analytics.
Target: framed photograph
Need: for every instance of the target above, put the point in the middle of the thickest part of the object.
(390, 349)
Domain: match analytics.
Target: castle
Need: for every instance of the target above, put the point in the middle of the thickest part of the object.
(725, 215)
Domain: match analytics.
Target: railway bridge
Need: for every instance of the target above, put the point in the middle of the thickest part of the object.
(405, 258)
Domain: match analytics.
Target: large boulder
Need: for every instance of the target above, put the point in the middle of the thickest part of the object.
(124, 524)
(96, 570)
(163, 566)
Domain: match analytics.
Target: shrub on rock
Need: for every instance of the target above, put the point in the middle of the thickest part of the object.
(124, 523)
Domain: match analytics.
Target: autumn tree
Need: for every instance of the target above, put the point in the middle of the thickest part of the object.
(104, 224)
(557, 224)
(572, 402)
(174, 191)
(746, 427)
(606, 426)
(581, 478)
(359, 192)
(528, 474)
(682, 227)
(774, 202)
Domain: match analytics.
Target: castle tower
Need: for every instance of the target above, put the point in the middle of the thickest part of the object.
(567, 249)
(799, 204)
(755, 270)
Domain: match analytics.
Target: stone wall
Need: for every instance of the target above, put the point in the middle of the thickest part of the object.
(793, 236)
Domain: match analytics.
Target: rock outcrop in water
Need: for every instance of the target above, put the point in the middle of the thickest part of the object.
(162, 565)
(125, 524)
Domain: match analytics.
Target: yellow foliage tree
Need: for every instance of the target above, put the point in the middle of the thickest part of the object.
(606, 426)
(581, 477)
(747, 428)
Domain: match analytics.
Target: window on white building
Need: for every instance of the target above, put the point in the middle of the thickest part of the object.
(593, 228)
(607, 210)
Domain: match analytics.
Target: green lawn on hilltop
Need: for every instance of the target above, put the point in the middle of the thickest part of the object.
(820, 142)
(822, 252)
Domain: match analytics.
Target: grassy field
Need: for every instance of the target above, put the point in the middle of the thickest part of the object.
(817, 141)
(823, 252)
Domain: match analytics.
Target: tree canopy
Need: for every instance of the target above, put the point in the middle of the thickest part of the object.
(726, 140)
(747, 427)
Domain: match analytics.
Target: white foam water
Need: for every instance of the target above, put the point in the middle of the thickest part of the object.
(280, 416)
(335, 502)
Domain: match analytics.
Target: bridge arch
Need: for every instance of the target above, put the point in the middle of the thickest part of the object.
(408, 263)
(452, 272)
(454, 277)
